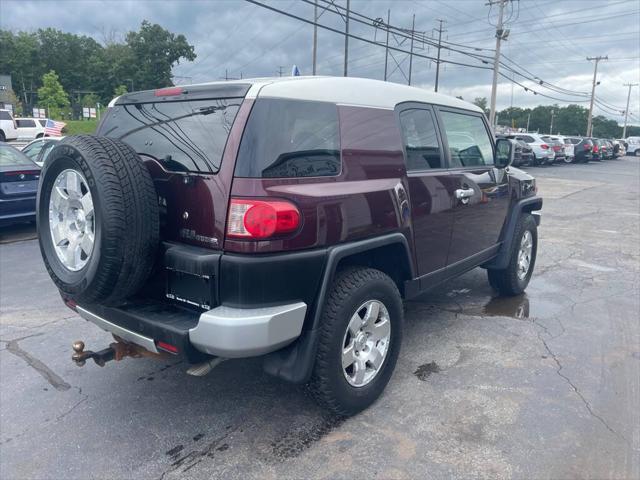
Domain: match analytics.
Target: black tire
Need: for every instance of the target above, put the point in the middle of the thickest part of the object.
(506, 281)
(351, 288)
(3, 138)
(126, 223)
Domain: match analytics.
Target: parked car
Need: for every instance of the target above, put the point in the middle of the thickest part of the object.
(543, 154)
(39, 149)
(598, 152)
(611, 149)
(605, 149)
(633, 146)
(285, 218)
(569, 150)
(582, 149)
(518, 145)
(29, 128)
(557, 146)
(619, 149)
(8, 127)
(527, 153)
(18, 186)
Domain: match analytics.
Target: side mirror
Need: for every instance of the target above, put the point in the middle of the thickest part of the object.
(504, 153)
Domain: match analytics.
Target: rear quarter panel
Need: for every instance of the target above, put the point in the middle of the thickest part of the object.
(368, 198)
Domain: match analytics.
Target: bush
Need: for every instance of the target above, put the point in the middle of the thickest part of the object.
(77, 127)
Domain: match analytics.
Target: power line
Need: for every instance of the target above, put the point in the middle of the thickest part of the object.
(357, 37)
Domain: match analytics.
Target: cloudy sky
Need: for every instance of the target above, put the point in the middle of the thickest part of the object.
(549, 39)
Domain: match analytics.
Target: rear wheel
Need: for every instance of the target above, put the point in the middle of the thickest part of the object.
(360, 339)
(3, 138)
(514, 279)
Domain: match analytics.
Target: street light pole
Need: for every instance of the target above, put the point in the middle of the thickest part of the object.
(346, 40)
(551, 126)
(626, 111)
(593, 92)
(315, 35)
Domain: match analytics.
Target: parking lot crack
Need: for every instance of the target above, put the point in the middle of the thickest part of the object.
(577, 391)
(49, 375)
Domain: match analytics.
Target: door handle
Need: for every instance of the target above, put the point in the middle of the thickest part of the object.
(464, 194)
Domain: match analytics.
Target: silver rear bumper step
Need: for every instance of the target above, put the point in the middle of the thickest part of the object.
(128, 335)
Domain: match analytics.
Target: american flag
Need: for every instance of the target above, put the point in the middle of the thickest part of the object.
(53, 129)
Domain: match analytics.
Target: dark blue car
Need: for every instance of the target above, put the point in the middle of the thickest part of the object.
(18, 186)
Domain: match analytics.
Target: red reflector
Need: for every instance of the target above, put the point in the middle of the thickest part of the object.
(261, 219)
(168, 92)
(71, 304)
(22, 172)
(544, 146)
(167, 347)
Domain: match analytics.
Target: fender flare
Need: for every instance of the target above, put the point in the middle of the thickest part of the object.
(529, 205)
(295, 362)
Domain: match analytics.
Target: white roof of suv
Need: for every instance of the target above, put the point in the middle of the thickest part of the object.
(363, 92)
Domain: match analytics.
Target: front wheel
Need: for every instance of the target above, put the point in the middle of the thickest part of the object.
(360, 339)
(514, 279)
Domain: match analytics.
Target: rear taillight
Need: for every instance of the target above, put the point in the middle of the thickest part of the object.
(261, 219)
(22, 172)
(544, 146)
(595, 149)
(586, 146)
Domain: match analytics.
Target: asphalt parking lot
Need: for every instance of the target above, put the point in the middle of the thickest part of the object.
(546, 385)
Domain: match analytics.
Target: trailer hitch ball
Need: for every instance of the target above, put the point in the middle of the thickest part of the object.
(78, 353)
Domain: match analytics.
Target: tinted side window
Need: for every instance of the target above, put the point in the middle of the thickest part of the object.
(33, 150)
(420, 139)
(183, 136)
(526, 138)
(25, 123)
(469, 141)
(4, 115)
(42, 122)
(290, 138)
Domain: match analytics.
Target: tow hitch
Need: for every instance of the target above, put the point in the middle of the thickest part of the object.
(115, 351)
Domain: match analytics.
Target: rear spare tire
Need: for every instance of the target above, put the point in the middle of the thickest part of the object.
(97, 219)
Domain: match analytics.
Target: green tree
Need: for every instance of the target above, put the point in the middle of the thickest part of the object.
(89, 100)
(155, 51)
(52, 96)
(120, 90)
(482, 103)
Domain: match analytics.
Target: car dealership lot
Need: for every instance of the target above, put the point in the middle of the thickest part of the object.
(540, 386)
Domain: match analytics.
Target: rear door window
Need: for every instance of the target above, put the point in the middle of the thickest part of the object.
(421, 143)
(182, 136)
(290, 138)
(468, 138)
(26, 123)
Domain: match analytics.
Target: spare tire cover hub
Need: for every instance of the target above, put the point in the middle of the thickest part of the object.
(72, 219)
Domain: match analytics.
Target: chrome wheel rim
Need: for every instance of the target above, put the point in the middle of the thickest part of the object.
(72, 219)
(366, 343)
(524, 254)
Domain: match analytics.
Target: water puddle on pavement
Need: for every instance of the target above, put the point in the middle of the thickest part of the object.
(424, 371)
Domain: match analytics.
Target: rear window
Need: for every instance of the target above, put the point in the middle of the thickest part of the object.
(183, 136)
(26, 123)
(290, 138)
(526, 138)
(575, 141)
(4, 115)
(10, 156)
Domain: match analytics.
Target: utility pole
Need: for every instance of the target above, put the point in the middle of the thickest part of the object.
(280, 67)
(551, 127)
(413, 28)
(315, 35)
(593, 91)
(501, 34)
(346, 39)
(626, 111)
(440, 31)
(528, 118)
(386, 48)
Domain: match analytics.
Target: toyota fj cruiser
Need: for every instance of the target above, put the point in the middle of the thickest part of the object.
(285, 218)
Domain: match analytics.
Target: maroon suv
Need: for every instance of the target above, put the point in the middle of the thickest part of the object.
(286, 218)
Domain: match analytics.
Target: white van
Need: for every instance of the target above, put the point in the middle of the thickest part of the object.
(8, 128)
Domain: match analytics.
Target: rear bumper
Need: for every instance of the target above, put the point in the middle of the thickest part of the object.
(223, 331)
(255, 304)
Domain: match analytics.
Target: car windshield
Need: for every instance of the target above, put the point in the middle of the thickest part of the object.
(9, 156)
